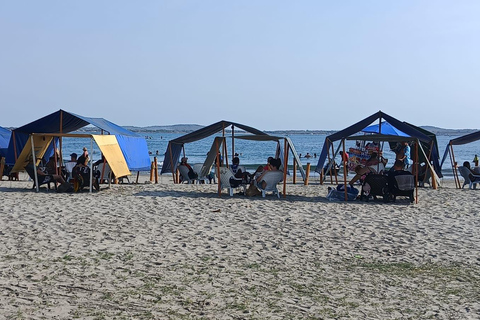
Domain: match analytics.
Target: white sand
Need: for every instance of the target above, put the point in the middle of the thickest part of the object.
(165, 251)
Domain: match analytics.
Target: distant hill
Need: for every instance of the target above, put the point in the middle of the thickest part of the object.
(176, 128)
(186, 128)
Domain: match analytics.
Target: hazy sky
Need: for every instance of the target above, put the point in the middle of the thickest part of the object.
(269, 64)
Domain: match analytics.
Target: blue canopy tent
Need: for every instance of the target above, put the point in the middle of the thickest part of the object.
(468, 138)
(388, 129)
(133, 146)
(399, 126)
(5, 135)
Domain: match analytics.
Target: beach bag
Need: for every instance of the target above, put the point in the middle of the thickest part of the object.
(252, 191)
(338, 193)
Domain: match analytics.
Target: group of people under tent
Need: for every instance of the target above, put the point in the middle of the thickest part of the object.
(77, 168)
(243, 176)
(376, 163)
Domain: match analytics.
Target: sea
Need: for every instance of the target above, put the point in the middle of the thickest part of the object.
(255, 153)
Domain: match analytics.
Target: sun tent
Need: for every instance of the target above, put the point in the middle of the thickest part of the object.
(107, 144)
(468, 138)
(357, 128)
(133, 146)
(175, 146)
(388, 129)
(4, 139)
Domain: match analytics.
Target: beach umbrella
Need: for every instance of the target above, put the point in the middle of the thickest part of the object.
(386, 128)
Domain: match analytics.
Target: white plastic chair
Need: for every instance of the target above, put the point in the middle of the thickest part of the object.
(225, 175)
(271, 178)
(197, 168)
(465, 172)
(184, 173)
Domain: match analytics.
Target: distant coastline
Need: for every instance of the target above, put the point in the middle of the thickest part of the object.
(187, 128)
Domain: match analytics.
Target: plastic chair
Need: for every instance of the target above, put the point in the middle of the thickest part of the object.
(271, 179)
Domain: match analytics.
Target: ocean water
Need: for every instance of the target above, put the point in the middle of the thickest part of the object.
(254, 153)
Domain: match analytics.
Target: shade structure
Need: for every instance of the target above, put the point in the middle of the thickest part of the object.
(133, 146)
(5, 135)
(379, 116)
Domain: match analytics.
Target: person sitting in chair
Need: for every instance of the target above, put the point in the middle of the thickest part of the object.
(191, 173)
(360, 171)
(471, 173)
(274, 166)
(42, 176)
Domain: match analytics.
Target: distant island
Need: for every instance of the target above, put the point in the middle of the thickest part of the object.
(187, 128)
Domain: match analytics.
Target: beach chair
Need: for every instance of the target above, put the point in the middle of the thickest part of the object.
(226, 176)
(105, 174)
(402, 185)
(465, 172)
(271, 178)
(41, 179)
(184, 174)
(197, 168)
(375, 185)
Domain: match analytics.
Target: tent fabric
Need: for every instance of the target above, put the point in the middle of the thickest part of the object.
(5, 135)
(41, 145)
(359, 126)
(110, 148)
(384, 128)
(468, 138)
(64, 122)
(174, 148)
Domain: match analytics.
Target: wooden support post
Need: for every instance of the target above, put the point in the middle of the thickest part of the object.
(294, 180)
(307, 174)
(151, 171)
(285, 168)
(155, 166)
(138, 175)
(344, 172)
(415, 170)
(454, 168)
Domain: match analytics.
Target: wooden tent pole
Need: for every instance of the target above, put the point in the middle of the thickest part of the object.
(218, 168)
(454, 168)
(285, 168)
(294, 177)
(233, 141)
(415, 168)
(333, 163)
(321, 171)
(333, 152)
(14, 146)
(34, 157)
(174, 176)
(60, 139)
(344, 172)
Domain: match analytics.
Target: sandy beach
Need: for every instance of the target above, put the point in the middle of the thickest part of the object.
(166, 251)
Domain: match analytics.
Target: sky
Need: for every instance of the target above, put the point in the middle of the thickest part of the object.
(273, 65)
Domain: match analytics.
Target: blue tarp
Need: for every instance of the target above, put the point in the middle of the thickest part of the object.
(384, 128)
(133, 146)
(4, 139)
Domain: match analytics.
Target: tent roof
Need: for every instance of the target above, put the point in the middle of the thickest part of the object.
(471, 137)
(212, 129)
(4, 137)
(64, 122)
(385, 128)
(133, 146)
